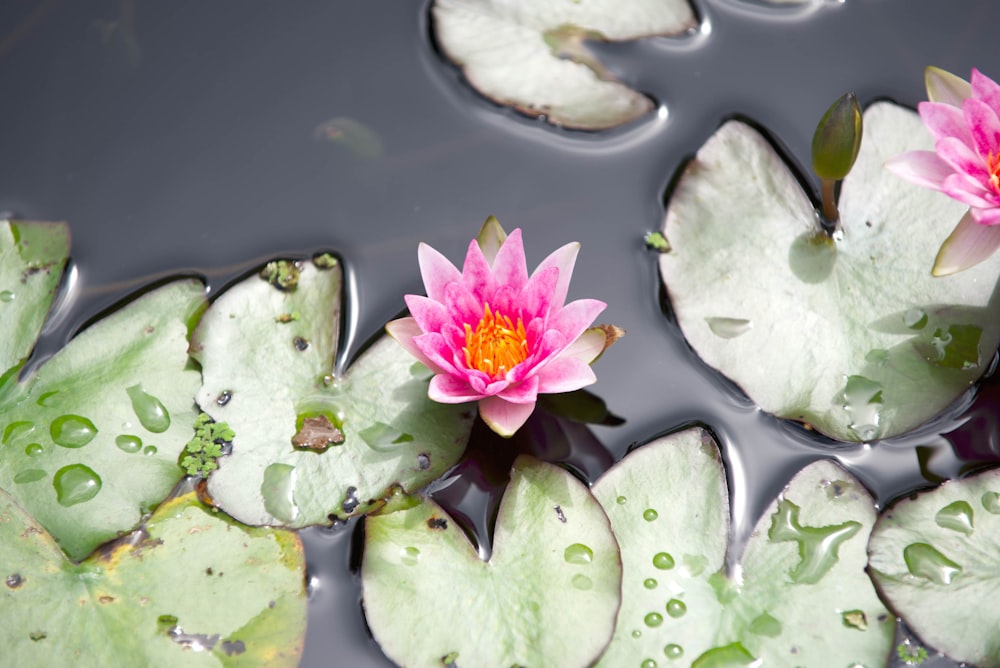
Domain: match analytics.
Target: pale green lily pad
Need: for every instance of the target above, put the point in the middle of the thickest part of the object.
(548, 595)
(191, 588)
(934, 557)
(90, 443)
(32, 257)
(801, 596)
(530, 54)
(852, 335)
(267, 356)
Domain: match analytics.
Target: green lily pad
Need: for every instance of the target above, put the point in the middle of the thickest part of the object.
(850, 334)
(800, 597)
(32, 257)
(90, 443)
(190, 588)
(309, 447)
(547, 596)
(531, 55)
(934, 557)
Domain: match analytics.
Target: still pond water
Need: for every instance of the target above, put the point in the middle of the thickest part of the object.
(187, 144)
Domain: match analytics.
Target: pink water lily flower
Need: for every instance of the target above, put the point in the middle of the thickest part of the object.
(493, 334)
(964, 119)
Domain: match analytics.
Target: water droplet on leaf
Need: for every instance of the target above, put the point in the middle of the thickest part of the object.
(75, 484)
(676, 608)
(621, 500)
(649, 583)
(673, 651)
(653, 619)
(578, 553)
(925, 561)
(16, 430)
(33, 449)
(409, 556)
(915, 318)
(649, 515)
(663, 561)
(151, 412)
(28, 475)
(729, 328)
(128, 443)
(278, 491)
(956, 516)
(991, 502)
(582, 582)
(149, 450)
(72, 431)
(6, 296)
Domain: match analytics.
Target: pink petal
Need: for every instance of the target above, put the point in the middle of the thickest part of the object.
(565, 374)
(944, 120)
(969, 244)
(510, 267)
(436, 270)
(535, 300)
(564, 260)
(962, 158)
(576, 317)
(548, 346)
(923, 168)
(463, 305)
(984, 126)
(987, 217)
(985, 89)
(429, 314)
(958, 187)
(588, 346)
(504, 417)
(404, 331)
(437, 352)
(945, 87)
(477, 276)
(521, 393)
(446, 389)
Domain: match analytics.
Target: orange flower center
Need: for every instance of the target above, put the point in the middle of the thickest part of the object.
(496, 346)
(993, 164)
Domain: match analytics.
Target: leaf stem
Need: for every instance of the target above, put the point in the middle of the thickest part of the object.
(830, 212)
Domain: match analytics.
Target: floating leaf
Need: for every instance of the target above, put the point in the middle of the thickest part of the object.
(531, 54)
(32, 257)
(800, 597)
(91, 442)
(934, 557)
(191, 588)
(547, 596)
(309, 447)
(852, 334)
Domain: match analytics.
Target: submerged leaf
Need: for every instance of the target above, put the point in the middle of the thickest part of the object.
(305, 448)
(191, 588)
(801, 596)
(934, 558)
(531, 54)
(91, 442)
(547, 596)
(822, 311)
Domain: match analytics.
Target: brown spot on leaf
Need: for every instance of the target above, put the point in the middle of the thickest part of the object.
(437, 523)
(317, 434)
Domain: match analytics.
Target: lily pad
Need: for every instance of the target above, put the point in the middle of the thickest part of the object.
(90, 443)
(190, 588)
(309, 447)
(530, 54)
(547, 596)
(850, 334)
(934, 557)
(32, 257)
(800, 597)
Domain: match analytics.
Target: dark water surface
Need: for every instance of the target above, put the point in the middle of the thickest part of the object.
(184, 143)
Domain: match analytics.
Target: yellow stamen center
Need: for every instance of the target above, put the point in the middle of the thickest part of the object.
(993, 164)
(496, 346)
